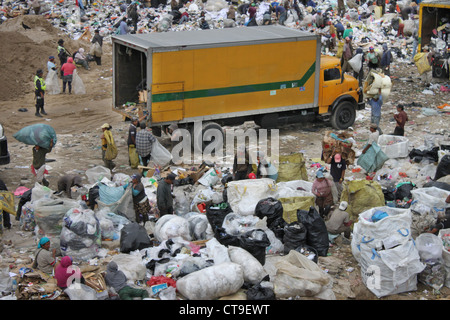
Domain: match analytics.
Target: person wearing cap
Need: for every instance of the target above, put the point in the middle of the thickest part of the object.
(51, 64)
(372, 59)
(375, 103)
(337, 170)
(141, 203)
(339, 221)
(39, 92)
(373, 137)
(107, 141)
(386, 60)
(321, 188)
(164, 197)
(44, 259)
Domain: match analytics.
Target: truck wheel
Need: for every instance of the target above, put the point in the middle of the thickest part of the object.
(343, 115)
(211, 129)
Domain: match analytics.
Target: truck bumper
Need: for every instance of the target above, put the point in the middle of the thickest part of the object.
(361, 105)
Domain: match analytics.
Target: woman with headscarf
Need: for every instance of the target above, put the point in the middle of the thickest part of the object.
(44, 259)
(118, 281)
(67, 70)
(81, 59)
(321, 188)
(265, 169)
(64, 271)
(141, 203)
(109, 149)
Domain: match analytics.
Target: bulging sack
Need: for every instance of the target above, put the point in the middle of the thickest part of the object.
(39, 134)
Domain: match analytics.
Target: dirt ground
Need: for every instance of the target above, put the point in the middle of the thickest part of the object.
(77, 120)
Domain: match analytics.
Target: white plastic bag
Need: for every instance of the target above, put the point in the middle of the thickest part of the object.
(429, 246)
(52, 83)
(160, 155)
(79, 291)
(77, 84)
(253, 270)
(212, 282)
(97, 173)
(394, 146)
(210, 178)
(244, 195)
(172, 226)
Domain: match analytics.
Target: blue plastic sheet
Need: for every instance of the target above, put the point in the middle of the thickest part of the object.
(373, 160)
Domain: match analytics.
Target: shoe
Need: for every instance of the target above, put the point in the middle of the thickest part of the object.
(38, 115)
(43, 112)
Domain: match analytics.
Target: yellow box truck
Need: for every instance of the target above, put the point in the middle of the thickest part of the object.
(434, 16)
(269, 74)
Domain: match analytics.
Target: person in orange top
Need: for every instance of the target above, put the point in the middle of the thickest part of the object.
(67, 70)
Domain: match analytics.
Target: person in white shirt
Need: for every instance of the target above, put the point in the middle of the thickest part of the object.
(81, 59)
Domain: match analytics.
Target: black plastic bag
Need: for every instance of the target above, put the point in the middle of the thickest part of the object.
(226, 239)
(294, 236)
(317, 234)
(258, 292)
(216, 213)
(133, 237)
(437, 184)
(418, 155)
(270, 208)
(404, 191)
(255, 242)
(443, 167)
(309, 252)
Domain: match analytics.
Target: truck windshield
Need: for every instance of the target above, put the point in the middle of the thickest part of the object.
(331, 74)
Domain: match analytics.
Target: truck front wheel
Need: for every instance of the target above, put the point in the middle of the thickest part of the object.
(343, 115)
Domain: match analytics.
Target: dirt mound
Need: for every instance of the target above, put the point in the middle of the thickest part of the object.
(23, 51)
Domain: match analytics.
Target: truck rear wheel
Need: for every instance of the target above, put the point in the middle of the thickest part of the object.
(343, 115)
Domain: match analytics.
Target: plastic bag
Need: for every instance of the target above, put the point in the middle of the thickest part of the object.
(270, 208)
(39, 134)
(255, 242)
(124, 206)
(52, 83)
(96, 49)
(443, 168)
(133, 237)
(212, 282)
(79, 291)
(49, 214)
(294, 236)
(429, 246)
(253, 270)
(210, 178)
(172, 226)
(108, 194)
(217, 213)
(373, 160)
(97, 174)
(244, 195)
(317, 234)
(160, 155)
(77, 84)
(394, 146)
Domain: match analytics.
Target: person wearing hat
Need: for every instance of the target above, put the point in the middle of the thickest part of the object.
(321, 188)
(164, 197)
(39, 92)
(337, 170)
(373, 137)
(141, 203)
(372, 59)
(109, 150)
(339, 221)
(44, 259)
(51, 64)
(375, 103)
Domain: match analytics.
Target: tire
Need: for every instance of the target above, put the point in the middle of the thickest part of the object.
(343, 115)
(198, 142)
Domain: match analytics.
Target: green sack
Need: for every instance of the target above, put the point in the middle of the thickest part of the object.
(134, 157)
(293, 204)
(373, 160)
(292, 167)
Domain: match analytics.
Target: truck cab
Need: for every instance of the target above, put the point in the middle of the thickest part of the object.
(340, 94)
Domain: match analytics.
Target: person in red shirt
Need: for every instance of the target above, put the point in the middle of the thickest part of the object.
(401, 117)
(67, 70)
